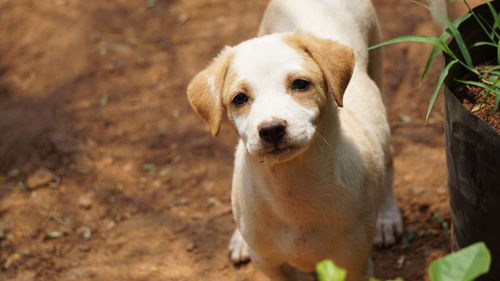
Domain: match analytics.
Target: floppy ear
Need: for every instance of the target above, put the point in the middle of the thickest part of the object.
(335, 60)
(205, 91)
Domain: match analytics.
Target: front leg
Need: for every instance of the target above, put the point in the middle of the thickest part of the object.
(238, 248)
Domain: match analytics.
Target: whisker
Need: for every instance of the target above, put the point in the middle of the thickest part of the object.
(325, 141)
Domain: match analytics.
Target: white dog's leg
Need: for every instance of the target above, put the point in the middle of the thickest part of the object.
(238, 248)
(389, 222)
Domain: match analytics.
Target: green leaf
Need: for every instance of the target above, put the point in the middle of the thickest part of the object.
(491, 33)
(444, 37)
(498, 52)
(494, 14)
(454, 32)
(441, 78)
(490, 69)
(328, 271)
(483, 43)
(430, 60)
(481, 85)
(464, 265)
(497, 101)
(417, 38)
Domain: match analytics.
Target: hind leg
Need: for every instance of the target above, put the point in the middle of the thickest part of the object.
(389, 222)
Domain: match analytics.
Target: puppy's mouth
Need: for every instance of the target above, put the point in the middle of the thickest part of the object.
(279, 149)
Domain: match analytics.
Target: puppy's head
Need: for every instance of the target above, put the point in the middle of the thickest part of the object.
(274, 89)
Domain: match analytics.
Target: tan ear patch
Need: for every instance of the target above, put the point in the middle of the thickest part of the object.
(335, 60)
(205, 91)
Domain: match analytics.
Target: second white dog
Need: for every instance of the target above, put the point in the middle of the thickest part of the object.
(312, 167)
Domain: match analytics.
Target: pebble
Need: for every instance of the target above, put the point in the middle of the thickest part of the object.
(85, 201)
(181, 202)
(85, 232)
(13, 173)
(40, 177)
(401, 261)
(54, 235)
(84, 248)
(405, 118)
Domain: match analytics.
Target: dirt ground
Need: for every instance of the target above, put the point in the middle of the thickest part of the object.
(107, 174)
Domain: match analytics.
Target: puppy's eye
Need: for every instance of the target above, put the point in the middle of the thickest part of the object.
(240, 99)
(300, 85)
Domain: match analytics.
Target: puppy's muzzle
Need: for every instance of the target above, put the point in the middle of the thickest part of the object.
(272, 132)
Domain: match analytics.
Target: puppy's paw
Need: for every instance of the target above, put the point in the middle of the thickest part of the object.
(389, 227)
(238, 249)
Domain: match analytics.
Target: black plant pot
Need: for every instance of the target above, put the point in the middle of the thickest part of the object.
(473, 156)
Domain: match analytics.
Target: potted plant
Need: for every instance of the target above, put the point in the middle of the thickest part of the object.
(471, 78)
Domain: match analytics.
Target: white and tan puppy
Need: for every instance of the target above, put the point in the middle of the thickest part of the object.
(313, 166)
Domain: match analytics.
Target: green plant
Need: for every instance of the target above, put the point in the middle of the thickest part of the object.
(488, 79)
(464, 265)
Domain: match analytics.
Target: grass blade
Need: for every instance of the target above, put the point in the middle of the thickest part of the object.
(481, 85)
(494, 14)
(490, 35)
(441, 78)
(418, 38)
(444, 37)
(483, 43)
(497, 101)
(430, 61)
(454, 32)
(498, 52)
(496, 18)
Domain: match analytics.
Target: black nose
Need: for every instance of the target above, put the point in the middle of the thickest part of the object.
(272, 131)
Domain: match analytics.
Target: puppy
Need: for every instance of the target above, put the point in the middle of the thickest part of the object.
(312, 168)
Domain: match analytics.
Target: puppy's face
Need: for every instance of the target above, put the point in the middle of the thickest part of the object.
(274, 89)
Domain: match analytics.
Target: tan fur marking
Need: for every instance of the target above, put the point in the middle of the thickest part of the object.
(315, 96)
(233, 89)
(335, 60)
(205, 90)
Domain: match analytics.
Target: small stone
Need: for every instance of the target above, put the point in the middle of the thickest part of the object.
(153, 268)
(83, 164)
(110, 225)
(85, 232)
(64, 143)
(85, 201)
(165, 171)
(405, 118)
(401, 261)
(183, 18)
(417, 190)
(54, 235)
(190, 246)
(95, 37)
(181, 202)
(13, 173)
(84, 248)
(40, 177)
